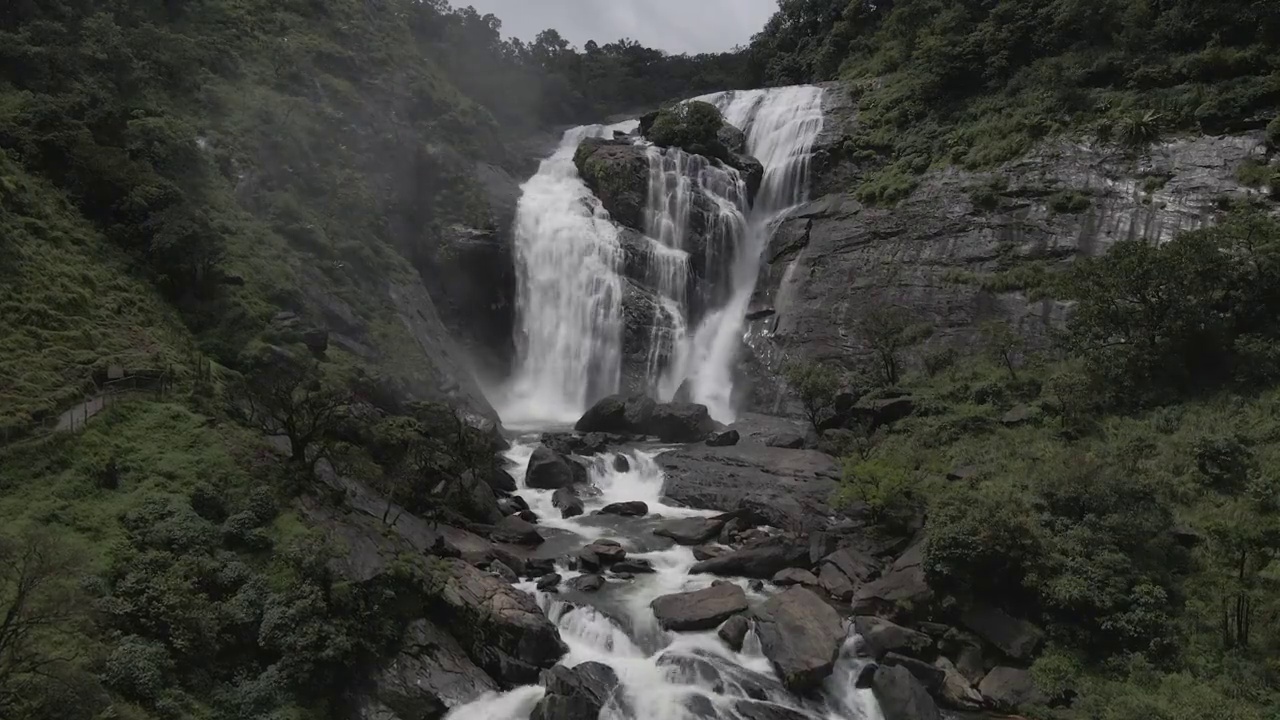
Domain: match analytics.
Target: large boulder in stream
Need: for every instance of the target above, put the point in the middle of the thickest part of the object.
(549, 470)
(761, 561)
(681, 422)
(516, 531)
(618, 414)
(577, 693)
(500, 628)
(692, 530)
(701, 609)
(901, 696)
(801, 635)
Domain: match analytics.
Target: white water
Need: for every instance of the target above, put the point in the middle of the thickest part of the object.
(619, 628)
(570, 264)
(570, 291)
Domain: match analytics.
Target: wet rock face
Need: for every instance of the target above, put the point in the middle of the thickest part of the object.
(835, 257)
(617, 171)
(578, 693)
(901, 696)
(701, 609)
(472, 280)
(430, 675)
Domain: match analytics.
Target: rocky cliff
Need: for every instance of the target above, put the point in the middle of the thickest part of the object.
(967, 247)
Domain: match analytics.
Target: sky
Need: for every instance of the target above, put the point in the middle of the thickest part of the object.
(676, 26)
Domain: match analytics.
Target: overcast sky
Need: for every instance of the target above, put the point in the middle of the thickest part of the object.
(673, 25)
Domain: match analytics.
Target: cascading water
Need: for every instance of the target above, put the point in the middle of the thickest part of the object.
(663, 675)
(570, 291)
(781, 126)
(698, 222)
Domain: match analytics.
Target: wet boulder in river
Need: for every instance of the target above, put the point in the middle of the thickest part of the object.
(801, 635)
(626, 509)
(701, 609)
(762, 561)
(577, 693)
(549, 470)
(567, 502)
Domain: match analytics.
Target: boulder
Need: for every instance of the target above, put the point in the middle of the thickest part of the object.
(621, 464)
(930, 676)
(903, 590)
(512, 505)
(618, 414)
(795, 576)
(578, 469)
(723, 438)
(866, 676)
(1016, 638)
(567, 502)
(480, 503)
(538, 567)
(836, 583)
(626, 509)
(587, 583)
(513, 530)
(500, 481)
(431, 674)
(881, 637)
(497, 567)
(501, 629)
(707, 552)
(1010, 689)
(762, 561)
(701, 609)
(801, 635)
(692, 530)
(528, 516)
(856, 565)
(788, 441)
(901, 696)
(547, 583)
(617, 172)
(548, 470)
(600, 554)
(957, 692)
(681, 422)
(634, 566)
(577, 693)
(732, 138)
(1020, 415)
(734, 631)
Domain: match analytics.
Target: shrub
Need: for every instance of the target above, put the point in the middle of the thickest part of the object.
(1254, 173)
(1273, 134)
(1069, 202)
(816, 386)
(884, 486)
(138, 668)
(692, 126)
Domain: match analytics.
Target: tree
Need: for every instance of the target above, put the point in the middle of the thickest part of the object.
(887, 331)
(1005, 345)
(39, 603)
(816, 386)
(283, 394)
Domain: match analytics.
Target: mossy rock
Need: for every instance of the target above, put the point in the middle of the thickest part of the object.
(618, 173)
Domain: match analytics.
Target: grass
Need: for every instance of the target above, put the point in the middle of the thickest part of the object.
(157, 448)
(70, 305)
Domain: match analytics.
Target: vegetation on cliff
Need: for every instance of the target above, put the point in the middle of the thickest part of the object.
(978, 83)
(1121, 489)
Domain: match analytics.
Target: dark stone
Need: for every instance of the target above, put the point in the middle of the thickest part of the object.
(431, 674)
(1020, 415)
(626, 509)
(617, 172)
(512, 505)
(901, 696)
(836, 583)
(316, 340)
(587, 583)
(538, 567)
(795, 576)
(577, 693)
(858, 566)
(547, 583)
(600, 554)
(1010, 689)
(707, 552)
(548, 470)
(618, 414)
(788, 441)
(866, 676)
(701, 609)
(498, 568)
(1016, 638)
(724, 438)
(762, 561)
(692, 530)
(621, 464)
(501, 481)
(930, 676)
(900, 593)
(516, 531)
(757, 710)
(635, 566)
(801, 635)
(881, 637)
(567, 502)
(734, 631)
(528, 516)
(683, 423)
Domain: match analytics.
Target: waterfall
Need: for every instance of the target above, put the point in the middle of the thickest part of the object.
(781, 126)
(568, 260)
(602, 311)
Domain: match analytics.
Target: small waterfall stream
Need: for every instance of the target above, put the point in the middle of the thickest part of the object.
(663, 675)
